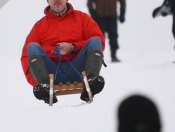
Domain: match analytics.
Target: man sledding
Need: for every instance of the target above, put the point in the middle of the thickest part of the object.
(81, 45)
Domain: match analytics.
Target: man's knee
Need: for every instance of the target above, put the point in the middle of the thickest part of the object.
(34, 49)
(96, 43)
(95, 39)
(32, 45)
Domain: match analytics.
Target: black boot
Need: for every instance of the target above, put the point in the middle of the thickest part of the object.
(40, 73)
(41, 92)
(113, 56)
(92, 67)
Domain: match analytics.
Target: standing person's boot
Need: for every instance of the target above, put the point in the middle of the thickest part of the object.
(113, 56)
(40, 73)
(92, 67)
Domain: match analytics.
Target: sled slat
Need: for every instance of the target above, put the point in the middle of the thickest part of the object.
(68, 86)
(66, 92)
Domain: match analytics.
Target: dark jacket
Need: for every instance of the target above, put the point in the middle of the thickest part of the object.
(106, 8)
(169, 3)
(172, 5)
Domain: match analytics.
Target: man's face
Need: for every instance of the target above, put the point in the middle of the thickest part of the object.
(58, 6)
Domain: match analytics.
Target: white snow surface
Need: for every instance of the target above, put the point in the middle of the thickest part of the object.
(147, 54)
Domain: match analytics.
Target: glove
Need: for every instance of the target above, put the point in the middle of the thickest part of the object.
(93, 13)
(122, 15)
(164, 14)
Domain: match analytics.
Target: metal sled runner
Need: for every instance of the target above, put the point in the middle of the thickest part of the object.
(68, 88)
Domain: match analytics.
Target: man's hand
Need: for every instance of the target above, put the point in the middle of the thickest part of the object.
(65, 48)
(122, 15)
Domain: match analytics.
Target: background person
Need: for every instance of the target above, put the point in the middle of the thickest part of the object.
(104, 12)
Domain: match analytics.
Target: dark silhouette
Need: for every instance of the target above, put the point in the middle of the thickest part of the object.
(138, 114)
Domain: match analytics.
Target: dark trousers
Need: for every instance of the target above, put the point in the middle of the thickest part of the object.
(109, 25)
(173, 28)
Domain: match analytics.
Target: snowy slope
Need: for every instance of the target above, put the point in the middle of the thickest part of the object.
(147, 54)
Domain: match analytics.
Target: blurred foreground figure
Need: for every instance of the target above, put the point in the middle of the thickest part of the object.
(104, 12)
(138, 114)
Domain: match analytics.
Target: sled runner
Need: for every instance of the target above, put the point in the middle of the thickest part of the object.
(68, 88)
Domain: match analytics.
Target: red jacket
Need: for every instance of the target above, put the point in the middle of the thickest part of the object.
(73, 27)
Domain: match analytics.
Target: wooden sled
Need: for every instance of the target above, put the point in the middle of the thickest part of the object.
(68, 88)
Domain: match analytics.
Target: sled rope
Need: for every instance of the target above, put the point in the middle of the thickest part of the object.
(55, 75)
(56, 52)
(73, 66)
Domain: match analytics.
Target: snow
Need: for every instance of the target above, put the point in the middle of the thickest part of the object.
(147, 68)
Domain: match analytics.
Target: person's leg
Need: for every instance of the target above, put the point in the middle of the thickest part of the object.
(73, 73)
(39, 70)
(34, 49)
(102, 24)
(66, 72)
(37, 63)
(92, 62)
(89, 59)
(113, 37)
(173, 27)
